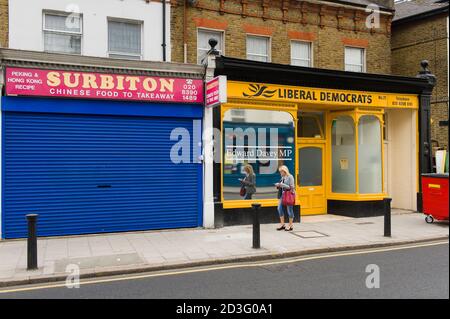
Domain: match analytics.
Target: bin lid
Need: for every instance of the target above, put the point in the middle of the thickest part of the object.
(435, 175)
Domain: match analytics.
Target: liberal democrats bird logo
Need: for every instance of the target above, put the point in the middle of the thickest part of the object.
(259, 90)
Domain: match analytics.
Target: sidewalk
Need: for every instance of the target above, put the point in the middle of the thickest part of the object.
(122, 253)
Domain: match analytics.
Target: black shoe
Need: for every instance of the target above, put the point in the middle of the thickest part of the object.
(289, 228)
(281, 227)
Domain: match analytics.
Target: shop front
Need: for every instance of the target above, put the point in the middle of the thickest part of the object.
(94, 151)
(350, 140)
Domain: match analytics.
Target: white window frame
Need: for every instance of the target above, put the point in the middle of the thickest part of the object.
(62, 14)
(363, 57)
(222, 35)
(311, 52)
(269, 38)
(138, 22)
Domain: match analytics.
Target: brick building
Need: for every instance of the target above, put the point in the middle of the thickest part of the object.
(4, 23)
(420, 31)
(308, 33)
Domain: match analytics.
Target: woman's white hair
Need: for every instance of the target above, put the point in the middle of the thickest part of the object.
(285, 169)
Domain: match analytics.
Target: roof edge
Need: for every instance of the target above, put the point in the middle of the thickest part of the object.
(419, 16)
(13, 57)
(252, 71)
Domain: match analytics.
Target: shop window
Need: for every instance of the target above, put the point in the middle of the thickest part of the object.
(343, 155)
(62, 33)
(258, 48)
(203, 46)
(125, 39)
(354, 59)
(369, 155)
(265, 140)
(310, 166)
(310, 125)
(301, 53)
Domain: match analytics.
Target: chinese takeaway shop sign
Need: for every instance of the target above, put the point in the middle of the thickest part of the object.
(74, 84)
(305, 95)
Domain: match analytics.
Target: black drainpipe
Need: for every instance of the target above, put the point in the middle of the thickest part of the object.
(164, 29)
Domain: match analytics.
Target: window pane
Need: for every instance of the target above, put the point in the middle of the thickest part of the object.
(62, 43)
(310, 124)
(63, 22)
(125, 57)
(258, 48)
(353, 68)
(369, 155)
(310, 165)
(263, 139)
(301, 53)
(257, 58)
(354, 59)
(343, 155)
(124, 37)
(296, 62)
(203, 45)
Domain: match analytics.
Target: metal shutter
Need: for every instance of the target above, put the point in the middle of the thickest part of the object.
(91, 174)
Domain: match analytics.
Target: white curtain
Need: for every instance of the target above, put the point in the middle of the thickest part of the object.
(65, 23)
(258, 48)
(300, 53)
(62, 43)
(354, 59)
(124, 37)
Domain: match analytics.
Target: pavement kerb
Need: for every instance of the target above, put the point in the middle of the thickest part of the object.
(220, 261)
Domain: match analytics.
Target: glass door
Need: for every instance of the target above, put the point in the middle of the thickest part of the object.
(311, 164)
(310, 179)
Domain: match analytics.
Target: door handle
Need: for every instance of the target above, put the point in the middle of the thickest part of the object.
(104, 186)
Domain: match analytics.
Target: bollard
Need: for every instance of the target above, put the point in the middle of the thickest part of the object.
(256, 228)
(32, 262)
(299, 213)
(387, 217)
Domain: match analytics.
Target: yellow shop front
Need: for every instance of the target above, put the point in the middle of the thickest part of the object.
(347, 150)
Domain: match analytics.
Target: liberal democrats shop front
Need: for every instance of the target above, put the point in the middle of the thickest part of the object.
(350, 140)
(90, 145)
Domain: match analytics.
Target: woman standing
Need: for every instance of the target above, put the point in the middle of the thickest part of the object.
(286, 184)
(249, 182)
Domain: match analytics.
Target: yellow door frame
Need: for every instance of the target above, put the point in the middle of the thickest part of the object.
(290, 108)
(355, 114)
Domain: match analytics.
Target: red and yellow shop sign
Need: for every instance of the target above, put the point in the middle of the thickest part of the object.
(305, 95)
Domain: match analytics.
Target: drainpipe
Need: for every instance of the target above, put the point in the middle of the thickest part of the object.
(164, 29)
(184, 32)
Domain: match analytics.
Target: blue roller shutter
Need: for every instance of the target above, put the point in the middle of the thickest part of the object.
(95, 173)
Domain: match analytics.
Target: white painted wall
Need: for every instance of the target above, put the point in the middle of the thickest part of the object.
(402, 158)
(25, 28)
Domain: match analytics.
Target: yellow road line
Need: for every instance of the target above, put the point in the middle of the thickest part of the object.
(242, 265)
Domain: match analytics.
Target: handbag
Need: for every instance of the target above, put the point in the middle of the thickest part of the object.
(242, 192)
(288, 198)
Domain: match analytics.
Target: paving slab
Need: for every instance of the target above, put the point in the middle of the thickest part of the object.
(120, 253)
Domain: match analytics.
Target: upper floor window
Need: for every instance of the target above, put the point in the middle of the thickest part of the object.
(354, 59)
(258, 48)
(301, 53)
(203, 46)
(125, 39)
(62, 32)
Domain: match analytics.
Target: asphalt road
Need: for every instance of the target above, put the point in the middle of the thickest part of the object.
(414, 272)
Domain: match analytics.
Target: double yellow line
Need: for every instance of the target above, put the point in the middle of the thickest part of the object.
(239, 265)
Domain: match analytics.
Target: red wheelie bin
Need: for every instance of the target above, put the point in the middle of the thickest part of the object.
(435, 196)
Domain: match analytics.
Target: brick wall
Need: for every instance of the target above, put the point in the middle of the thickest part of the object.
(425, 40)
(329, 29)
(3, 23)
